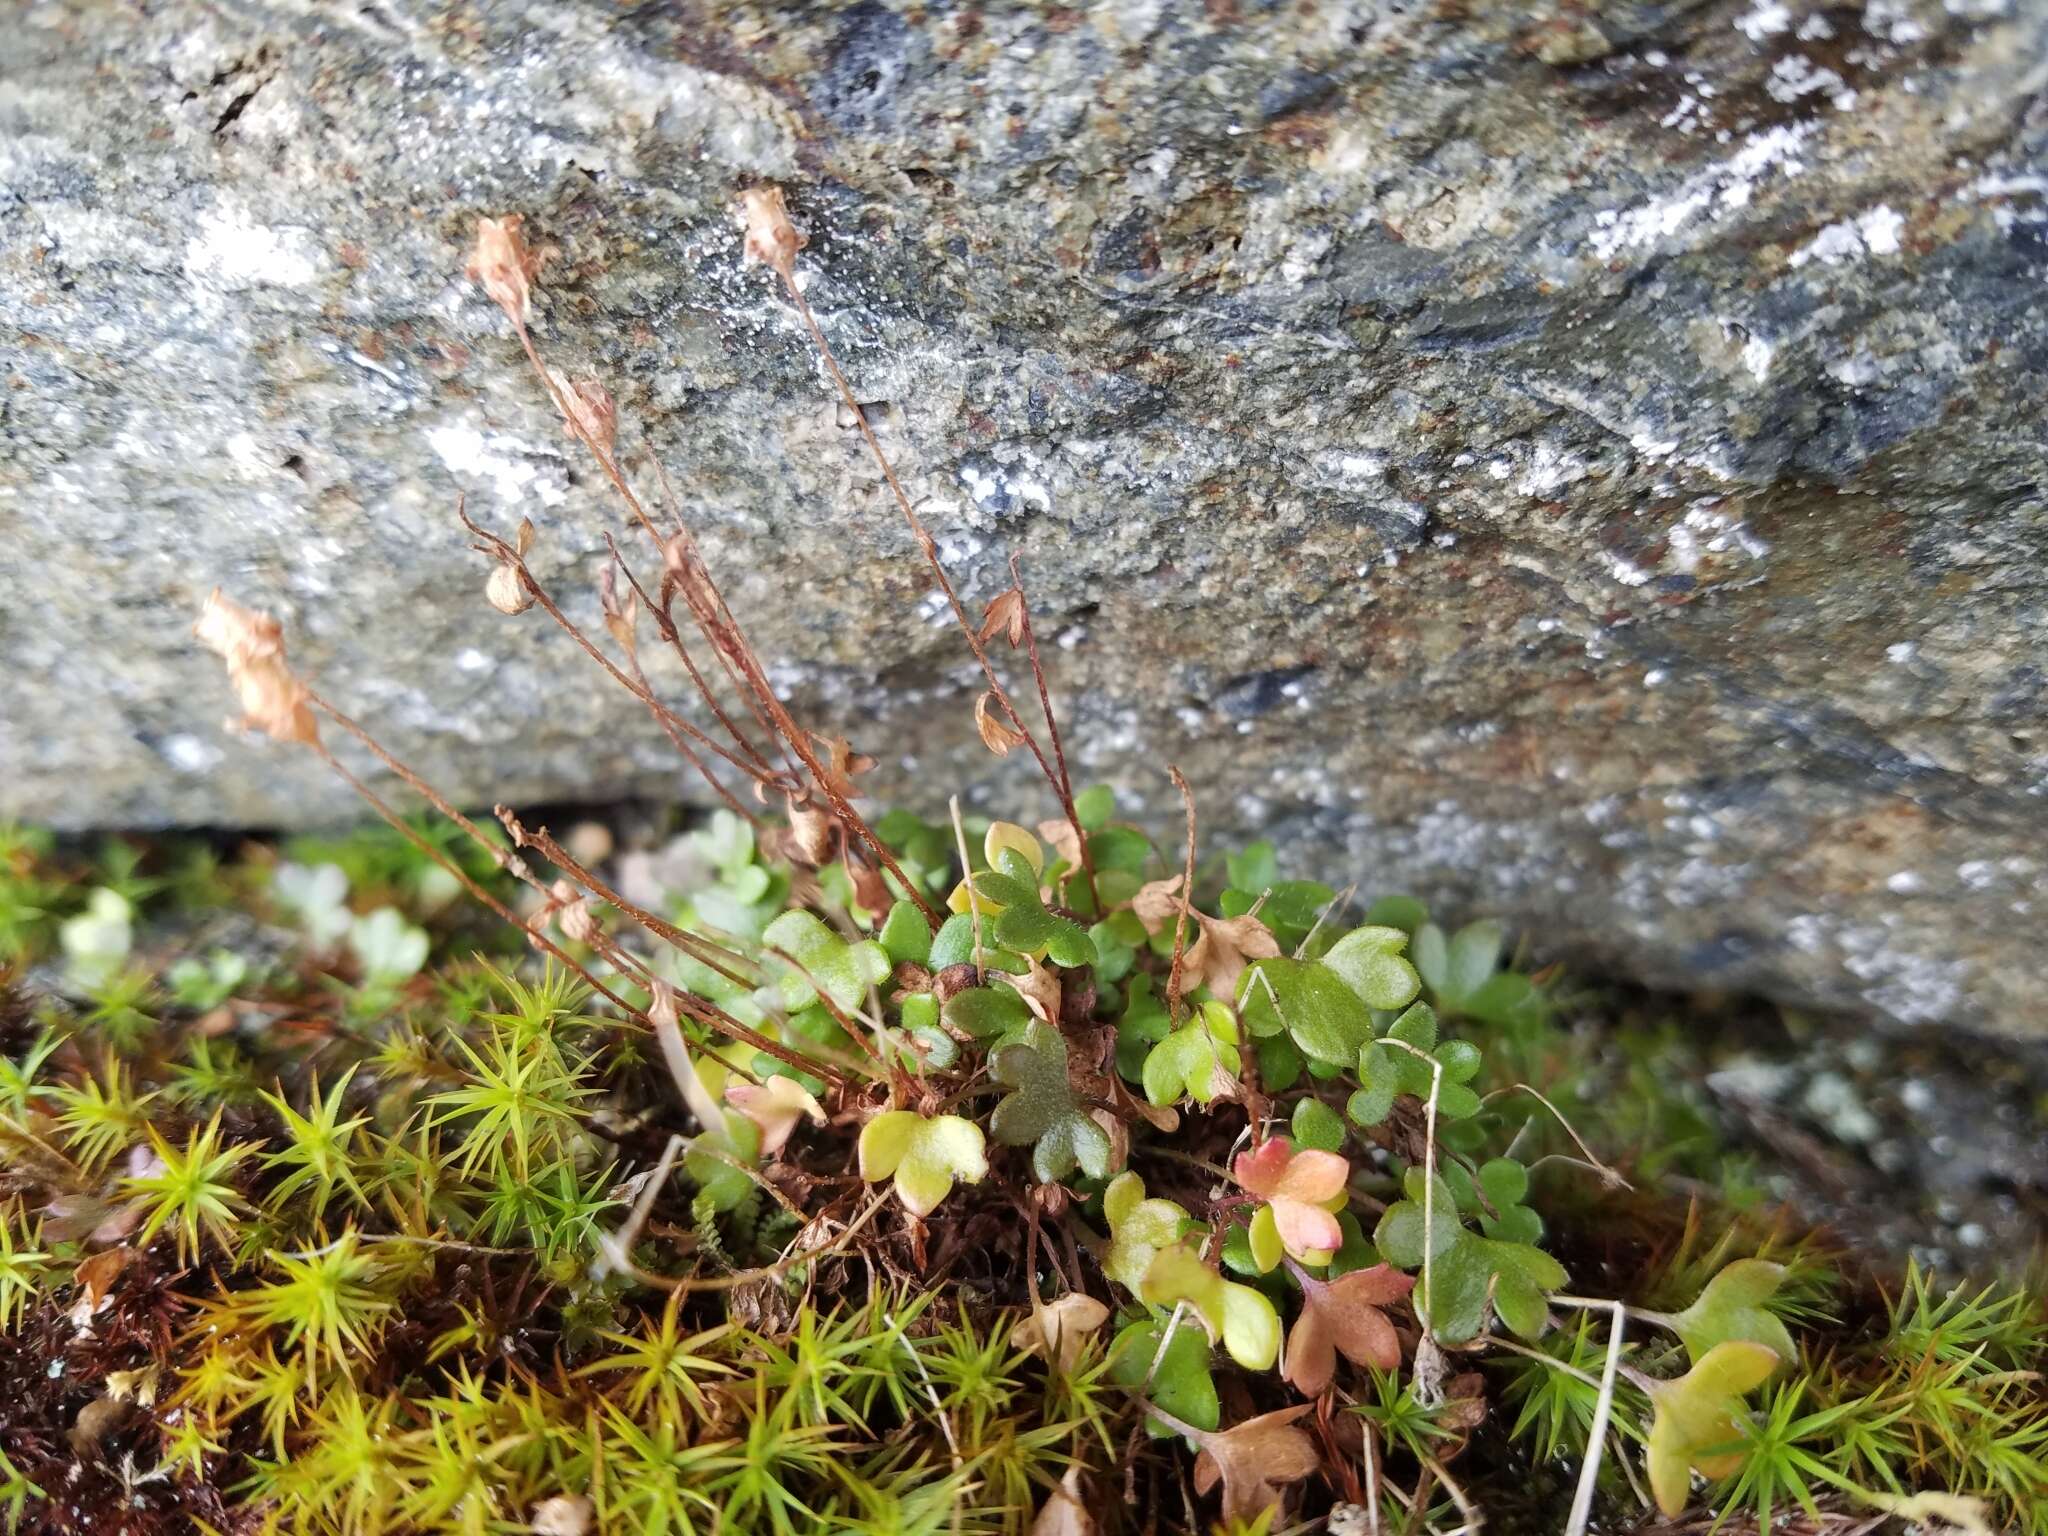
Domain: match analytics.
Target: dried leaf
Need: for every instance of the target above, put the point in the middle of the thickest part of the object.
(1039, 986)
(523, 542)
(1060, 1329)
(1063, 1513)
(1962, 1513)
(810, 832)
(1005, 616)
(1065, 841)
(252, 645)
(571, 913)
(95, 1279)
(1253, 1460)
(503, 264)
(998, 737)
(1157, 903)
(566, 1514)
(1219, 956)
(1344, 1316)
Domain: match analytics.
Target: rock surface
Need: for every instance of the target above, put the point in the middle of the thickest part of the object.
(1580, 464)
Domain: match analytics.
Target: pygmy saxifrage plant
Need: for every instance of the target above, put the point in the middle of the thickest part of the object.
(950, 1108)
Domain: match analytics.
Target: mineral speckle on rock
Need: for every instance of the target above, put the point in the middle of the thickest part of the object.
(1585, 466)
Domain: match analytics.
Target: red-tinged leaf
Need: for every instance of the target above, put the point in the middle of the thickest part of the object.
(1344, 1316)
(1298, 1185)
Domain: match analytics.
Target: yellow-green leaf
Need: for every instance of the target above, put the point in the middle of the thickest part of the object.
(925, 1156)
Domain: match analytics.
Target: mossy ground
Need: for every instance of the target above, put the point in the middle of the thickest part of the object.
(311, 1211)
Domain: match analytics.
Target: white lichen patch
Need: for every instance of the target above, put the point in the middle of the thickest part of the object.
(503, 462)
(232, 250)
(1767, 18)
(1873, 233)
(1711, 193)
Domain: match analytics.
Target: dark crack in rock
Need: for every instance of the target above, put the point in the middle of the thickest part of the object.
(1620, 443)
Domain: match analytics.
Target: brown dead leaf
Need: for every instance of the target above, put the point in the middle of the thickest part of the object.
(1220, 947)
(1223, 950)
(506, 591)
(1059, 1329)
(1064, 1513)
(1343, 1315)
(1119, 1135)
(870, 890)
(1157, 903)
(1040, 989)
(1163, 1118)
(1253, 1460)
(566, 1514)
(998, 737)
(621, 614)
(1066, 843)
(95, 1279)
(1464, 1404)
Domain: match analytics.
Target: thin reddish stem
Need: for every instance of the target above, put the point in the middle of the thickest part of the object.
(1187, 893)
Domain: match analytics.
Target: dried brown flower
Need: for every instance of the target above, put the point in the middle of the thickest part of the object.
(1005, 616)
(810, 832)
(771, 238)
(587, 406)
(252, 645)
(995, 735)
(504, 265)
(571, 912)
(506, 590)
(621, 613)
(841, 764)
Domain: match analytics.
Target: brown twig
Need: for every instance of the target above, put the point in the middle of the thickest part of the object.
(665, 626)
(737, 647)
(670, 721)
(1056, 779)
(1065, 785)
(716, 956)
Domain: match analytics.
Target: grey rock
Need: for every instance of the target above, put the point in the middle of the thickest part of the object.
(1606, 492)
